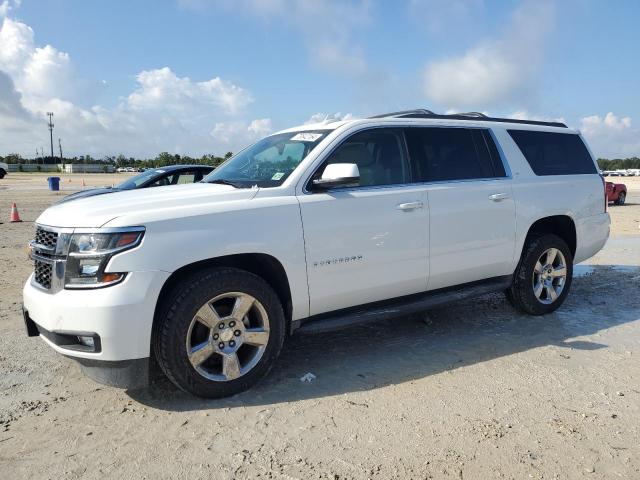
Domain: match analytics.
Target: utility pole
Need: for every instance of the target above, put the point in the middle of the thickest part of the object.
(51, 131)
(60, 148)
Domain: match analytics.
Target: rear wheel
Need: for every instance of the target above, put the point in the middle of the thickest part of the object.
(221, 332)
(543, 277)
(2, 173)
(622, 197)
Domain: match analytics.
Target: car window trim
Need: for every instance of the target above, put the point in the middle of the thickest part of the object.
(505, 164)
(403, 149)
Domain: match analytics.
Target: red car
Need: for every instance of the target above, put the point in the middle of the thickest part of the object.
(616, 193)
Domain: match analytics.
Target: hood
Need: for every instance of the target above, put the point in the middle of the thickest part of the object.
(135, 207)
(87, 193)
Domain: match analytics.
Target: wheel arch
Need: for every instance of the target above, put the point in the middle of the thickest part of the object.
(561, 225)
(263, 265)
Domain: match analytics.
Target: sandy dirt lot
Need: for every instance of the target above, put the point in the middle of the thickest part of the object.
(475, 390)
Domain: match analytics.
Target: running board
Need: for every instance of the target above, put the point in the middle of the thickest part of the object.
(398, 307)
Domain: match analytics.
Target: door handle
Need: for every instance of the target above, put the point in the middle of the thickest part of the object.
(497, 197)
(406, 207)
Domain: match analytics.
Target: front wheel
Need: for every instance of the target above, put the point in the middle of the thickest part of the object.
(2, 173)
(221, 332)
(621, 198)
(542, 279)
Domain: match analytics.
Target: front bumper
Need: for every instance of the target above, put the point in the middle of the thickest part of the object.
(120, 316)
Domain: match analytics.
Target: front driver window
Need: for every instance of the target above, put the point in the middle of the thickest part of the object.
(378, 155)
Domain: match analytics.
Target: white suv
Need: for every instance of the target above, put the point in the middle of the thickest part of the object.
(313, 228)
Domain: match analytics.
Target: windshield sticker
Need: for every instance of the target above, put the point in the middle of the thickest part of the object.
(306, 137)
(277, 176)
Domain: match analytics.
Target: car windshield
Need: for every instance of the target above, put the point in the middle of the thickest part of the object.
(268, 162)
(136, 181)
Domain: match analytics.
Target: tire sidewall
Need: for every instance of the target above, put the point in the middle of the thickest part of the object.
(174, 324)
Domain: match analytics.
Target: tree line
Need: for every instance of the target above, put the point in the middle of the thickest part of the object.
(619, 163)
(161, 160)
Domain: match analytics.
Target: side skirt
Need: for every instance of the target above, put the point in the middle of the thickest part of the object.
(397, 307)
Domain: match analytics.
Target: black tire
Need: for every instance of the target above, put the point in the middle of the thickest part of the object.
(521, 293)
(621, 198)
(175, 317)
(2, 173)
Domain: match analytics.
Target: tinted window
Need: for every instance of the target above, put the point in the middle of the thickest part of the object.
(378, 155)
(551, 153)
(440, 154)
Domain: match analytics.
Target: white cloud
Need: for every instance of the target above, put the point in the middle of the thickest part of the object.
(162, 89)
(328, 117)
(7, 5)
(611, 136)
(230, 133)
(496, 72)
(163, 112)
(328, 27)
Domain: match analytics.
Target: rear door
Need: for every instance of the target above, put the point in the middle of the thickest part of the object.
(471, 209)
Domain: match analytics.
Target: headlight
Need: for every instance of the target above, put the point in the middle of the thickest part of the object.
(89, 254)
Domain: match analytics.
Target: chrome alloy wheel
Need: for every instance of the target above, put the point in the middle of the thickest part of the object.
(227, 336)
(549, 276)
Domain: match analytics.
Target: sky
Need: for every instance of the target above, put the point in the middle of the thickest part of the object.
(210, 76)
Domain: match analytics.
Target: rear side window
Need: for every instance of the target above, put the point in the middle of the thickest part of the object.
(550, 153)
(441, 154)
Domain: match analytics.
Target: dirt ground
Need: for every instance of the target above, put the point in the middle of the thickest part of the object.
(475, 390)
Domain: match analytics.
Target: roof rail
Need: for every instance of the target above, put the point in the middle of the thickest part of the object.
(473, 114)
(424, 113)
(402, 113)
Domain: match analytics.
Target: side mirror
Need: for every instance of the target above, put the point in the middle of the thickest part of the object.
(338, 175)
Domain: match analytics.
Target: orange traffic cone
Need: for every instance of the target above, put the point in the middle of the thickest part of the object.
(15, 216)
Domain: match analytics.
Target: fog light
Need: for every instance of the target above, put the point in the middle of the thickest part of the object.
(86, 341)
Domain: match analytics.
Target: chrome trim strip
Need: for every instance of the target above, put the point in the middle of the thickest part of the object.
(110, 230)
(326, 155)
(38, 246)
(70, 286)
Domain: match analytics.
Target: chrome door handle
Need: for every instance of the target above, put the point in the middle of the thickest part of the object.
(496, 197)
(409, 206)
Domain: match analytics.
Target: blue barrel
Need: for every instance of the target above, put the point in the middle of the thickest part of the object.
(54, 183)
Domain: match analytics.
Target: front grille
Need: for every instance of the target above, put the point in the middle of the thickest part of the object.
(42, 273)
(46, 238)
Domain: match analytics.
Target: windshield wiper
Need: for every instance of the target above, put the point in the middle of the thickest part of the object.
(224, 181)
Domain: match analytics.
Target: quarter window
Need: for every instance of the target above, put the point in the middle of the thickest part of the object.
(377, 153)
(550, 153)
(443, 154)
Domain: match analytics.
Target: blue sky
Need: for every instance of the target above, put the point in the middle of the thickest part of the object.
(207, 76)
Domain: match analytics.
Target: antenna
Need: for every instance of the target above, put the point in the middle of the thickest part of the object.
(51, 131)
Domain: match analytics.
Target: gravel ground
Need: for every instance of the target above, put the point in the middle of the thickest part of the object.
(475, 390)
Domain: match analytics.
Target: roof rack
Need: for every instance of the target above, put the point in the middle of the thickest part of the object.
(424, 113)
(402, 113)
(473, 114)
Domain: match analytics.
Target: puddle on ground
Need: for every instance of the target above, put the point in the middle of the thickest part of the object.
(586, 270)
(583, 270)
